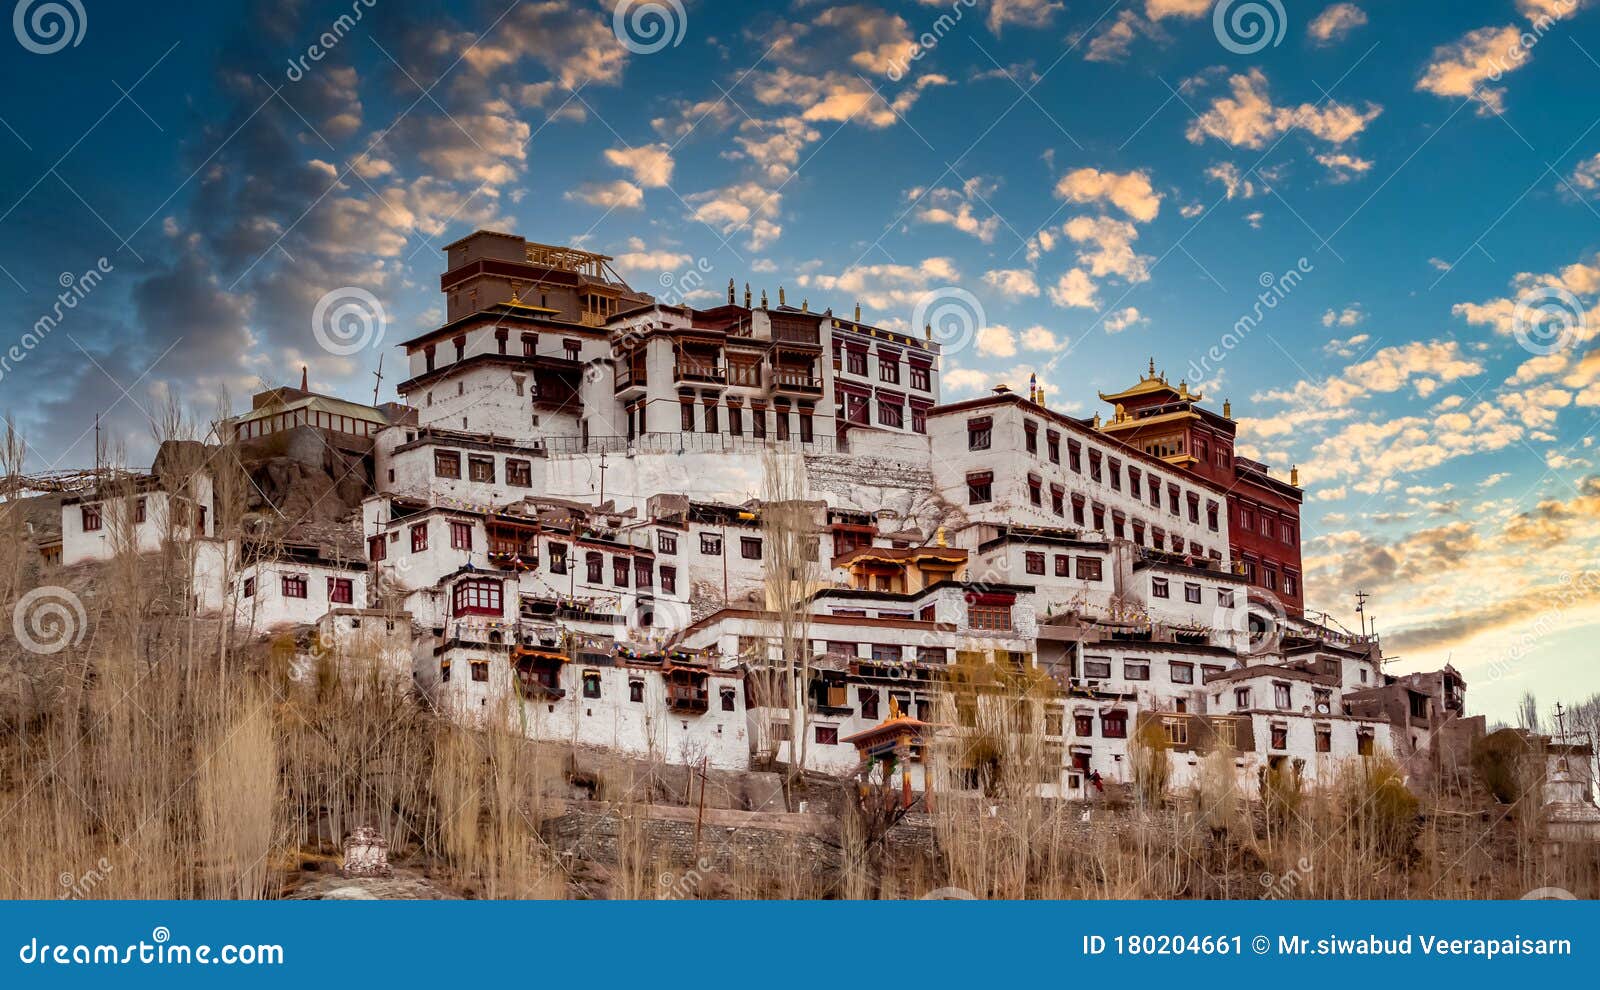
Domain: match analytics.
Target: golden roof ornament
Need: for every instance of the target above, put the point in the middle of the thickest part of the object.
(1227, 409)
(1097, 421)
(927, 329)
(780, 297)
(939, 538)
(858, 312)
(730, 291)
(747, 295)
(805, 305)
(763, 298)
(1294, 476)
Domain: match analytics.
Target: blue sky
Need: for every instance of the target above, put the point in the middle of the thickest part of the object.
(1109, 181)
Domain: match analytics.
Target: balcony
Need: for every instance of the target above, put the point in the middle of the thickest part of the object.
(802, 382)
(700, 373)
(630, 378)
(809, 336)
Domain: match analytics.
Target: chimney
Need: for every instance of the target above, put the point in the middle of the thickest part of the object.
(305, 374)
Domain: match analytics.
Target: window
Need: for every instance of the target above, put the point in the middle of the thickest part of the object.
(991, 617)
(643, 572)
(686, 417)
(758, 422)
(1116, 473)
(249, 587)
(519, 474)
(1088, 568)
(1096, 669)
(419, 538)
(294, 586)
(1058, 500)
(1324, 739)
(1094, 465)
(446, 464)
(594, 564)
(1033, 562)
(1136, 670)
(1172, 499)
(666, 542)
(481, 469)
(444, 671)
(1323, 701)
(619, 571)
(780, 416)
(888, 369)
(478, 596)
(377, 548)
(1177, 730)
(710, 544)
(558, 558)
(979, 433)
(341, 591)
(711, 417)
(669, 580)
(139, 508)
(921, 377)
(729, 701)
(1191, 593)
(1083, 725)
(1114, 725)
(480, 670)
(856, 361)
(1155, 492)
(1224, 598)
(1063, 565)
(636, 691)
(591, 684)
(750, 547)
(1075, 456)
(91, 518)
(1280, 696)
(1182, 673)
(1241, 698)
(869, 702)
(1077, 509)
(1291, 584)
(1159, 588)
(980, 488)
(1030, 437)
(1036, 490)
(891, 413)
(1212, 516)
(827, 735)
(460, 536)
(1194, 507)
(1280, 737)
(919, 419)
(1364, 743)
(1052, 446)
(735, 421)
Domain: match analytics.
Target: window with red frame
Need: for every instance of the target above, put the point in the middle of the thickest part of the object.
(460, 536)
(341, 591)
(669, 580)
(643, 573)
(477, 596)
(1033, 562)
(91, 518)
(377, 547)
(419, 538)
(249, 587)
(595, 565)
(921, 377)
(619, 571)
(294, 585)
(996, 618)
(1114, 725)
(519, 474)
(446, 464)
(1083, 725)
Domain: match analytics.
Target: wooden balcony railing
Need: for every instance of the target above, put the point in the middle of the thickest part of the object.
(689, 371)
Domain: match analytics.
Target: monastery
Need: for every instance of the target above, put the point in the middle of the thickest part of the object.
(752, 533)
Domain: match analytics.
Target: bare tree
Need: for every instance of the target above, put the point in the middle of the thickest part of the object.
(791, 562)
(1528, 712)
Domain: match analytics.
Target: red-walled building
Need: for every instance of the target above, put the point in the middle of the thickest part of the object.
(1167, 421)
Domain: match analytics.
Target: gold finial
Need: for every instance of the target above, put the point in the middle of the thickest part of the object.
(747, 295)
(894, 707)
(858, 312)
(730, 292)
(927, 329)
(805, 305)
(938, 538)
(1152, 366)
(763, 298)
(1097, 421)
(1119, 415)
(1294, 476)
(1227, 409)
(780, 296)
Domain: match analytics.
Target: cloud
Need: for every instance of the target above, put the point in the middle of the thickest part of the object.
(1248, 118)
(1335, 23)
(743, 206)
(1586, 176)
(1074, 289)
(651, 164)
(1348, 317)
(1130, 192)
(1342, 167)
(883, 39)
(955, 208)
(997, 340)
(1037, 338)
(1160, 9)
(1025, 13)
(1234, 184)
(1461, 68)
(888, 286)
(1122, 319)
(1013, 281)
(1112, 43)
(616, 195)
(1346, 348)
